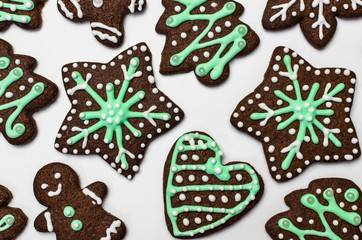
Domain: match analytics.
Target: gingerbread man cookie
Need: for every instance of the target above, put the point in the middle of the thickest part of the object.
(12, 220)
(73, 212)
(105, 17)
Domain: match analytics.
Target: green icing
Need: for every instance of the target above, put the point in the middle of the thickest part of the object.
(76, 225)
(115, 112)
(213, 167)
(26, 5)
(69, 212)
(351, 195)
(15, 131)
(217, 64)
(310, 201)
(305, 111)
(6, 222)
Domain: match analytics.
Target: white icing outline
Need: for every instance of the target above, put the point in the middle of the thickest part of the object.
(68, 13)
(77, 6)
(57, 192)
(92, 195)
(112, 229)
(48, 219)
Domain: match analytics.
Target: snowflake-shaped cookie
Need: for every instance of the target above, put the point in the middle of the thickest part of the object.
(317, 18)
(116, 109)
(301, 114)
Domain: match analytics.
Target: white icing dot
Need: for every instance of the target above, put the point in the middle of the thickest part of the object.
(195, 28)
(227, 24)
(212, 198)
(183, 35)
(276, 67)
(178, 8)
(224, 199)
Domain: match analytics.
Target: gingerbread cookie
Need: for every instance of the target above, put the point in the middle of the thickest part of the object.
(204, 36)
(330, 208)
(72, 212)
(201, 194)
(301, 114)
(117, 110)
(105, 17)
(317, 18)
(24, 13)
(12, 220)
(22, 92)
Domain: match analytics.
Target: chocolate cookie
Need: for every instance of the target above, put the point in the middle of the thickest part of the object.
(12, 220)
(72, 212)
(22, 92)
(330, 208)
(105, 17)
(201, 194)
(117, 110)
(301, 114)
(24, 13)
(204, 36)
(317, 18)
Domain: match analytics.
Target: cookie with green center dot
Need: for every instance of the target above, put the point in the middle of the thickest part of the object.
(201, 194)
(73, 212)
(308, 108)
(330, 208)
(12, 220)
(22, 92)
(23, 13)
(117, 110)
(204, 36)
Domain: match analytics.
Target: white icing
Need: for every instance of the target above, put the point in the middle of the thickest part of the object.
(293, 76)
(91, 194)
(82, 86)
(329, 98)
(68, 14)
(48, 219)
(270, 113)
(295, 144)
(77, 6)
(108, 28)
(105, 36)
(57, 192)
(326, 133)
(321, 21)
(112, 229)
(85, 132)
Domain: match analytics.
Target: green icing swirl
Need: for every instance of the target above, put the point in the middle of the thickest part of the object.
(6, 222)
(17, 130)
(217, 64)
(26, 5)
(213, 167)
(305, 111)
(310, 201)
(115, 112)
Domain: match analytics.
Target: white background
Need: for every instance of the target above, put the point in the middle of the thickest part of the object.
(139, 203)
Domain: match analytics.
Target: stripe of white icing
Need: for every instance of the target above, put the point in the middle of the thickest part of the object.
(140, 5)
(65, 9)
(112, 229)
(48, 218)
(77, 6)
(91, 194)
(131, 7)
(104, 36)
(103, 26)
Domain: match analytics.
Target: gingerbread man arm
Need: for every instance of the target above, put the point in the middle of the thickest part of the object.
(43, 222)
(5, 196)
(96, 191)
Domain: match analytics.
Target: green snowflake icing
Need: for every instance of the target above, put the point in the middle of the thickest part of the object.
(18, 129)
(310, 201)
(114, 112)
(26, 5)
(305, 111)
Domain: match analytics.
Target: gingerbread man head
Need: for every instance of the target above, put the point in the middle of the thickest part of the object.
(54, 181)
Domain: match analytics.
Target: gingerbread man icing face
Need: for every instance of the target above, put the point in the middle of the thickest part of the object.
(105, 17)
(73, 213)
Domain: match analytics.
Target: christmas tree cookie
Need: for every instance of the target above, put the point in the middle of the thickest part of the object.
(204, 36)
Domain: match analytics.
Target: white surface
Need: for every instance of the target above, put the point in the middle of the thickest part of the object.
(139, 203)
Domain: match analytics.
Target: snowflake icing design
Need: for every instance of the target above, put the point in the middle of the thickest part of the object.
(118, 114)
(315, 16)
(314, 109)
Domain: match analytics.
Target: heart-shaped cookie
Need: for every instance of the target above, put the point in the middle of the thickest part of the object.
(201, 194)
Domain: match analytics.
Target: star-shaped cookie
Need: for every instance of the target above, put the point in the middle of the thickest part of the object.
(301, 114)
(117, 110)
